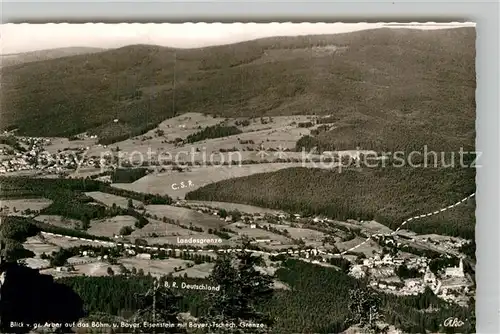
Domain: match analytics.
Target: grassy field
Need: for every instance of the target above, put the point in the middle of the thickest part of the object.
(62, 144)
(162, 267)
(186, 216)
(60, 221)
(387, 88)
(302, 233)
(37, 246)
(110, 199)
(258, 233)
(199, 271)
(110, 226)
(161, 183)
(368, 248)
(274, 133)
(17, 206)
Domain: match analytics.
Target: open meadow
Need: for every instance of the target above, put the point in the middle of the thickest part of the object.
(18, 206)
(169, 183)
(202, 270)
(369, 248)
(110, 199)
(59, 221)
(161, 229)
(39, 246)
(155, 267)
(110, 226)
(186, 216)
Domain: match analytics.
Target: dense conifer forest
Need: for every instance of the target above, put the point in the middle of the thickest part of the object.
(317, 300)
(388, 195)
(216, 131)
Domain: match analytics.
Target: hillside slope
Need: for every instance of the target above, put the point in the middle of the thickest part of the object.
(41, 55)
(385, 84)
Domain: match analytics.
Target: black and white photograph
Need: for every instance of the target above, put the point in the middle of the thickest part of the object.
(238, 178)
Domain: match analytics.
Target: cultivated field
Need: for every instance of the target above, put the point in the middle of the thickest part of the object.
(62, 144)
(38, 246)
(374, 228)
(371, 227)
(185, 216)
(161, 229)
(367, 248)
(98, 268)
(155, 267)
(163, 183)
(198, 271)
(57, 220)
(110, 226)
(275, 134)
(298, 233)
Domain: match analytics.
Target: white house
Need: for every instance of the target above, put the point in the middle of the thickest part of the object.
(144, 256)
(387, 259)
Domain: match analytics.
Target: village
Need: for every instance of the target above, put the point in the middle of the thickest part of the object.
(31, 155)
(313, 239)
(452, 284)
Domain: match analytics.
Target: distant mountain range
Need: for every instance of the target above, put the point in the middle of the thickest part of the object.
(27, 57)
(387, 88)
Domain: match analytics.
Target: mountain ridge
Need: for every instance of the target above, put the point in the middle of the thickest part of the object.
(381, 77)
(19, 58)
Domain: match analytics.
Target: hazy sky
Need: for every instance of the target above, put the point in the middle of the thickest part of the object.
(15, 38)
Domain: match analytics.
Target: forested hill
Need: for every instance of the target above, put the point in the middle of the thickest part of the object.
(378, 83)
(41, 55)
(389, 195)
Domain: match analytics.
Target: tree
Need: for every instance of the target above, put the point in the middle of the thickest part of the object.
(130, 204)
(126, 230)
(85, 224)
(222, 213)
(242, 290)
(110, 271)
(364, 310)
(158, 305)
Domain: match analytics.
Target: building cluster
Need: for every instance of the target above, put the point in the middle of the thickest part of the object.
(450, 243)
(450, 285)
(36, 158)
